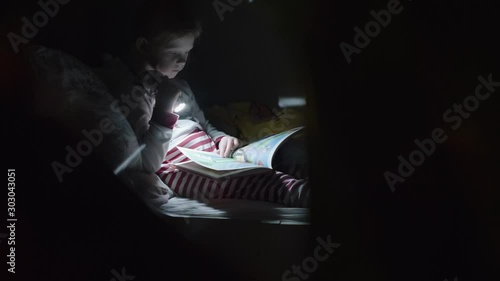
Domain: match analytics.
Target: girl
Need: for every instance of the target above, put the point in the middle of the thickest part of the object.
(166, 35)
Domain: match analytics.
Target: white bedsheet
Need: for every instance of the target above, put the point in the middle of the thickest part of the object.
(239, 209)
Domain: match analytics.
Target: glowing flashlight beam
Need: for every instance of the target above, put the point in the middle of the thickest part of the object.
(179, 107)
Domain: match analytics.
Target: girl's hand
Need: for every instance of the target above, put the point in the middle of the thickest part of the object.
(167, 95)
(227, 144)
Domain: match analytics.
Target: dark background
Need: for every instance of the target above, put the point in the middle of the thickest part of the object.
(440, 223)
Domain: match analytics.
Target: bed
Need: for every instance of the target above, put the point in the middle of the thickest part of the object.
(68, 90)
(238, 209)
(260, 239)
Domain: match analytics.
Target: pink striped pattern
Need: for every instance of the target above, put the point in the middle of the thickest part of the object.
(276, 187)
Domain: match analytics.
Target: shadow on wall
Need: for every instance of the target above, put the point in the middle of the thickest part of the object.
(253, 54)
(249, 51)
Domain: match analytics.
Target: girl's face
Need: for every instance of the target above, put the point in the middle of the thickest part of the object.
(170, 58)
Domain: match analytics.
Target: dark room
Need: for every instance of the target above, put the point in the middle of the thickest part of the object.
(252, 140)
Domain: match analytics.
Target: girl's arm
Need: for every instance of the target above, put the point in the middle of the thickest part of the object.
(225, 143)
(197, 113)
(152, 127)
(134, 97)
(154, 135)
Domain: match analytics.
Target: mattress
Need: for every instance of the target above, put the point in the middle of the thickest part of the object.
(236, 209)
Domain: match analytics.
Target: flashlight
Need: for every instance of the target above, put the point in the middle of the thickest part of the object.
(179, 107)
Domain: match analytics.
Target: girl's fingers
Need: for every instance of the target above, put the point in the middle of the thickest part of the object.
(228, 149)
(227, 146)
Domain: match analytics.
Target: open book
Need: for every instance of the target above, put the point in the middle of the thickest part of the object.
(253, 158)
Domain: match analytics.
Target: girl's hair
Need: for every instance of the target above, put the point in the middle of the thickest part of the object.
(160, 21)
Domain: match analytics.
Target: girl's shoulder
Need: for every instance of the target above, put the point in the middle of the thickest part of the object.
(183, 85)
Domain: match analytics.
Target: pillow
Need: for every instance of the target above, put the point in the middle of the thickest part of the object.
(255, 120)
(70, 93)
